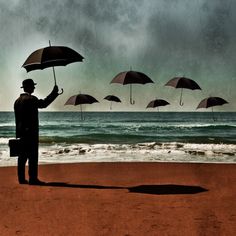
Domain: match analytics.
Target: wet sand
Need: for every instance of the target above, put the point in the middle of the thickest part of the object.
(121, 199)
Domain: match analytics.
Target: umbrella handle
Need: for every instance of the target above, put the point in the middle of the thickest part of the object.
(62, 91)
(55, 80)
(181, 100)
(54, 75)
(81, 113)
(132, 102)
(213, 117)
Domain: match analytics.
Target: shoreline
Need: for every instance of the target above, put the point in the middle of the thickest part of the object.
(140, 152)
(135, 198)
(41, 163)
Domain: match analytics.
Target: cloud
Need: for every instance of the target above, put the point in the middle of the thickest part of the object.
(161, 38)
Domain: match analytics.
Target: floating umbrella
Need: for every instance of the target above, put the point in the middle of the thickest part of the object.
(157, 103)
(211, 102)
(112, 98)
(79, 100)
(182, 82)
(51, 56)
(131, 77)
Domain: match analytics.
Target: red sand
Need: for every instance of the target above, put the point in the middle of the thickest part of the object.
(101, 199)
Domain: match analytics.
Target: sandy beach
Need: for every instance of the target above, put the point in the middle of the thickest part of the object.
(121, 199)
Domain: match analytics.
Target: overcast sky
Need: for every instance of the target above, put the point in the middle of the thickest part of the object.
(161, 38)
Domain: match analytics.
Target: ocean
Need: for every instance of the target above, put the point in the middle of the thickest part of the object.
(129, 136)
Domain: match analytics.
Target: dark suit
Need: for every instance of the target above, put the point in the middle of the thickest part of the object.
(27, 129)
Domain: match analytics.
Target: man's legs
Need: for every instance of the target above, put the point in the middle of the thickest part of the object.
(33, 166)
(33, 162)
(21, 168)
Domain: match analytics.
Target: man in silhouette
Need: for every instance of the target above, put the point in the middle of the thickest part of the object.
(27, 129)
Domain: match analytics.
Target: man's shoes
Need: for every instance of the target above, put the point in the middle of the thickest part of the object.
(36, 182)
(24, 181)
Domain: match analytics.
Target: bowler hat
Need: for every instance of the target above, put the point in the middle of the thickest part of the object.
(28, 83)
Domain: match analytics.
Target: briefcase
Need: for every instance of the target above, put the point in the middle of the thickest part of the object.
(15, 146)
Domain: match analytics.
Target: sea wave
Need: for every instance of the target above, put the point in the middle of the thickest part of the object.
(7, 125)
(133, 124)
(127, 138)
(167, 130)
(152, 151)
(147, 151)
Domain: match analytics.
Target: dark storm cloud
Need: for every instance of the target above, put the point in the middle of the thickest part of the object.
(192, 38)
(172, 26)
(88, 25)
(84, 22)
(200, 28)
(217, 28)
(161, 37)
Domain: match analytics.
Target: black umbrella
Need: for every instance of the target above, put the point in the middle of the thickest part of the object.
(211, 102)
(131, 77)
(112, 98)
(157, 103)
(80, 99)
(51, 56)
(182, 82)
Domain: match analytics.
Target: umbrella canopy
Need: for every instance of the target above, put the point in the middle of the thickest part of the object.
(51, 56)
(131, 77)
(157, 103)
(79, 100)
(182, 82)
(112, 98)
(211, 101)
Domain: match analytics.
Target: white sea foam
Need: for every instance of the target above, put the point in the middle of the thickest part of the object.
(4, 140)
(174, 152)
(10, 124)
(150, 152)
(5, 159)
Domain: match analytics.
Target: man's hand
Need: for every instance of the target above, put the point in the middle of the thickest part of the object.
(55, 89)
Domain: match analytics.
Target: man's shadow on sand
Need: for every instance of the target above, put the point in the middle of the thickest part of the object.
(147, 189)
